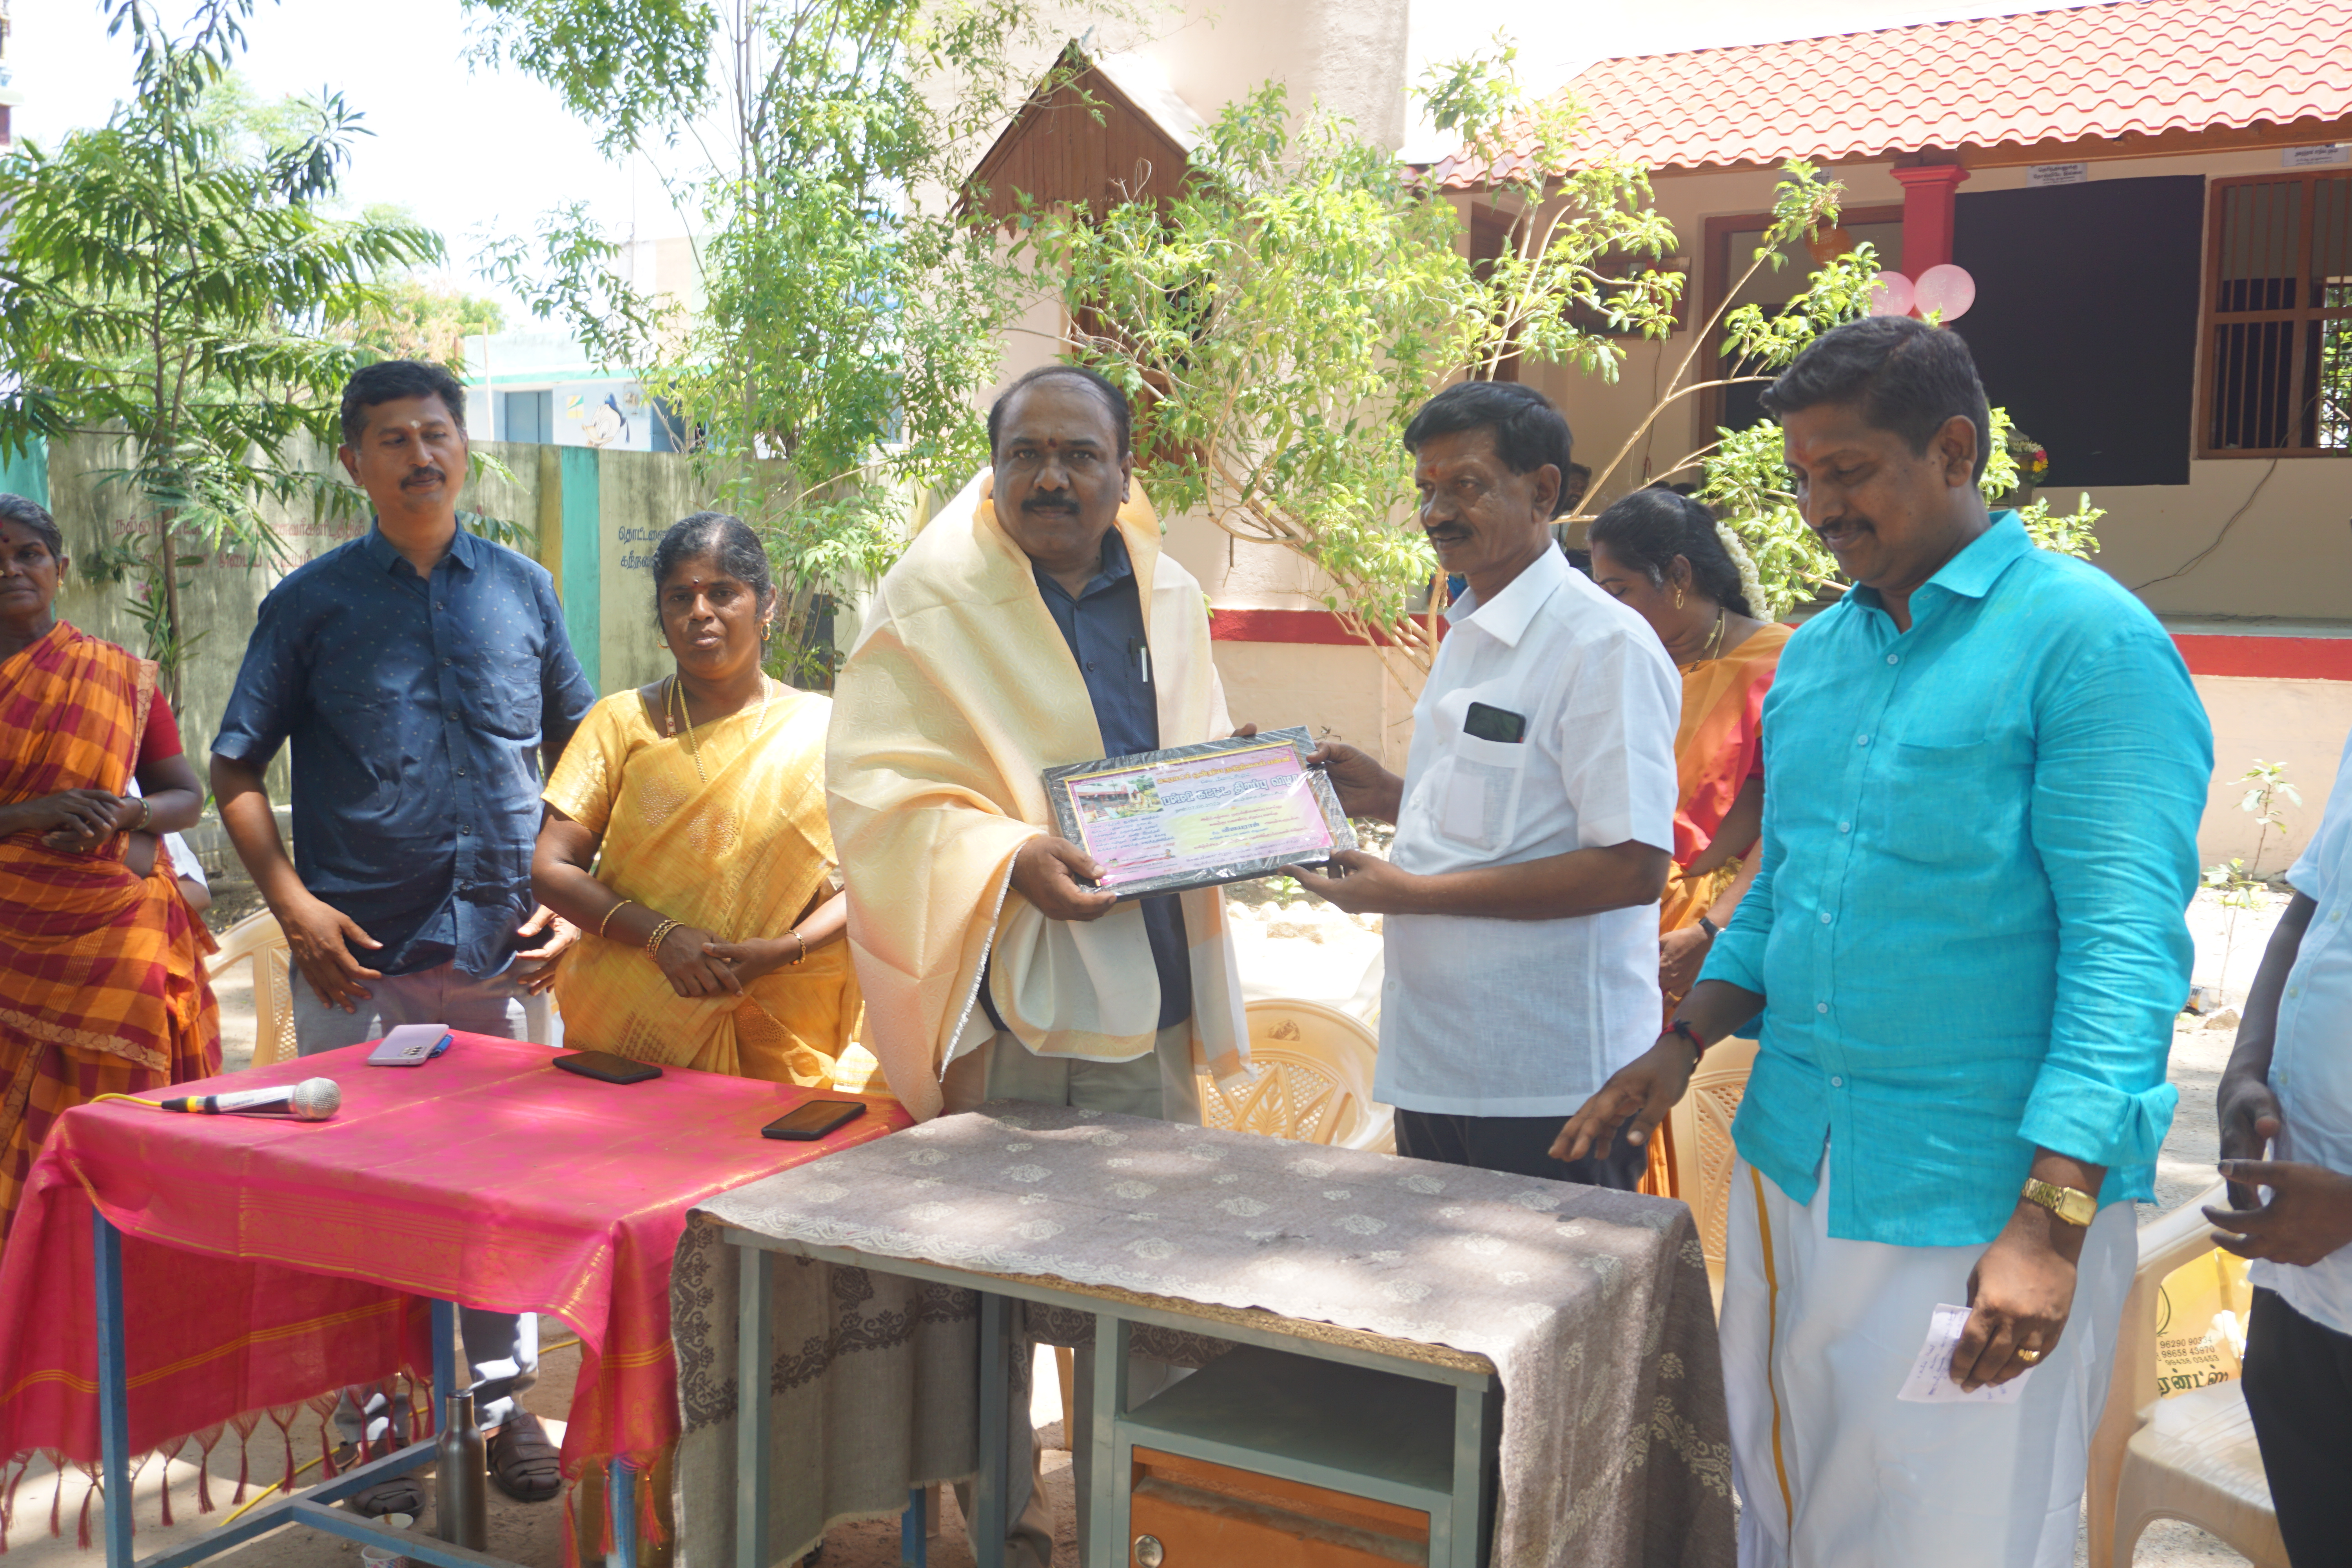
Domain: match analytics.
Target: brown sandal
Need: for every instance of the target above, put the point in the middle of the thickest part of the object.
(400, 1494)
(523, 1462)
(394, 1494)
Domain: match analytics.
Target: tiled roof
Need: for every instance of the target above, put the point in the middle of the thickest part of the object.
(2137, 66)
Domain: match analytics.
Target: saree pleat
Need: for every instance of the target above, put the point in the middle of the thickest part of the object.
(738, 848)
(102, 983)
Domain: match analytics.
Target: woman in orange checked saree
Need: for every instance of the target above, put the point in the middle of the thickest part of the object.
(103, 986)
(1666, 557)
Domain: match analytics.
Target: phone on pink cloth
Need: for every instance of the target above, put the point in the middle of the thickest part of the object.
(807, 1123)
(411, 1046)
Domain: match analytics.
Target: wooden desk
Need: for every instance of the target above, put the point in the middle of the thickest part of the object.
(1590, 1307)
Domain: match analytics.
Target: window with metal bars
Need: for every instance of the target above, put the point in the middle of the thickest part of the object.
(2278, 317)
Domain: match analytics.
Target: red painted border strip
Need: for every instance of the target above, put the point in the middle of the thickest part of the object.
(2206, 653)
(1318, 626)
(2267, 658)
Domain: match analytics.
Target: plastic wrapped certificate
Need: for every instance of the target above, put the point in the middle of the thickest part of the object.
(1195, 817)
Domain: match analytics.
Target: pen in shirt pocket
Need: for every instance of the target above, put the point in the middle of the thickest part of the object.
(1142, 656)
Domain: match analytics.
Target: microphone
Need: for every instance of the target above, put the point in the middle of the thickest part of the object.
(312, 1099)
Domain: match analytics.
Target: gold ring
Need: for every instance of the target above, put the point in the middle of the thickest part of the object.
(2029, 1357)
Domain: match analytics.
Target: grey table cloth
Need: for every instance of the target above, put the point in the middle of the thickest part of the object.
(1592, 1306)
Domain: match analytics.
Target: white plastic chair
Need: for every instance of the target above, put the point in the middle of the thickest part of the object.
(258, 940)
(2190, 1457)
(1701, 1126)
(1311, 1079)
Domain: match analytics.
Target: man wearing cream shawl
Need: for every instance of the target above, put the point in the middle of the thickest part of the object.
(1035, 622)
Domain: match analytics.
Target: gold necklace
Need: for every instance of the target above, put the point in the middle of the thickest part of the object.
(1714, 642)
(693, 748)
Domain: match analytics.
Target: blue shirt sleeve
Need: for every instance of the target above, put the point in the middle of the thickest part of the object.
(1738, 954)
(270, 684)
(2123, 753)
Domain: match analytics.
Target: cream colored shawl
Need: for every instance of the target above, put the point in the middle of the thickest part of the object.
(959, 693)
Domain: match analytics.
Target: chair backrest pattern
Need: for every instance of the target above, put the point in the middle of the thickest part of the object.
(259, 939)
(1702, 1148)
(1289, 1098)
(1310, 1077)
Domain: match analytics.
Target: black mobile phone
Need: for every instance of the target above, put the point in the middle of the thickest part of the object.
(807, 1123)
(1498, 724)
(607, 1067)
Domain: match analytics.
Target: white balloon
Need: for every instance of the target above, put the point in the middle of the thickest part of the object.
(1945, 288)
(1892, 296)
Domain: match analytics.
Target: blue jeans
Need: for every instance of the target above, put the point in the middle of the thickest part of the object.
(501, 1348)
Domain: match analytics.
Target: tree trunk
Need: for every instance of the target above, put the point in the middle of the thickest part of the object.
(169, 656)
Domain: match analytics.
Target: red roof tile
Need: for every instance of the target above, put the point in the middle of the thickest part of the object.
(2137, 66)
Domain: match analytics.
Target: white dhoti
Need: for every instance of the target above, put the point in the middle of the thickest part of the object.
(1834, 1470)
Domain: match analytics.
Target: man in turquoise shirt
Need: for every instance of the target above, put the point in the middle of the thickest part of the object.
(1985, 768)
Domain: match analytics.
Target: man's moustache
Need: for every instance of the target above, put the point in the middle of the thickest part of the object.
(1060, 506)
(424, 474)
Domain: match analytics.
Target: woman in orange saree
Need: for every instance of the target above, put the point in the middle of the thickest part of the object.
(103, 986)
(1666, 557)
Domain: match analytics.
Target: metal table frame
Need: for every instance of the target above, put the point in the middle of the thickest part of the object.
(1459, 1524)
(311, 1506)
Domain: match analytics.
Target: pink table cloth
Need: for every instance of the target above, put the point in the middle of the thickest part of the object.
(267, 1262)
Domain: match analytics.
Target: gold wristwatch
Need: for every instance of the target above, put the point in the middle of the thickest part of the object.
(2072, 1205)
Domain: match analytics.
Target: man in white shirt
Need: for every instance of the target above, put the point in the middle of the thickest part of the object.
(1534, 821)
(2286, 1105)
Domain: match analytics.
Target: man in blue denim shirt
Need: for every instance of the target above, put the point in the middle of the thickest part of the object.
(1985, 768)
(422, 674)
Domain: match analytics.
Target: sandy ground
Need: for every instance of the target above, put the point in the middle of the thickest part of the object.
(1297, 950)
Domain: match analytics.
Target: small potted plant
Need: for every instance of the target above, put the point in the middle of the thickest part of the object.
(2032, 460)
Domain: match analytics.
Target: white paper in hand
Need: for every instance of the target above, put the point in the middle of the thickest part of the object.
(1930, 1382)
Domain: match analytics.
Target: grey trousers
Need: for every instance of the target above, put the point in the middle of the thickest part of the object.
(1160, 1085)
(501, 1348)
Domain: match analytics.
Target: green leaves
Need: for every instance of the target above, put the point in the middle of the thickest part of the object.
(841, 319)
(168, 277)
(641, 71)
(1275, 327)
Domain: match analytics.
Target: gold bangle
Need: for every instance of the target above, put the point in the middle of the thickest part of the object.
(653, 942)
(803, 952)
(616, 910)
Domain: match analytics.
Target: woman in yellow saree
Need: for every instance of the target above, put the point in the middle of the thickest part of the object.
(686, 837)
(1666, 557)
(103, 986)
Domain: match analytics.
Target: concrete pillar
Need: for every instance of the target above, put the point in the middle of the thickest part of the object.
(1928, 190)
(26, 473)
(1354, 63)
(583, 576)
(1348, 55)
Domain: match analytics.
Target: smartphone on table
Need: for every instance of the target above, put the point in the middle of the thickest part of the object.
(813, 1119)
(607, 1067)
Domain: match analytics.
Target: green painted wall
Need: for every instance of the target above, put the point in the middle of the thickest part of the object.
(583, 592)
(28, 474)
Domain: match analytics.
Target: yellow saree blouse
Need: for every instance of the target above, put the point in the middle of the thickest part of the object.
(743, 856)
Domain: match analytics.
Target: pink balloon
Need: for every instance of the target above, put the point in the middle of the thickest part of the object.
(1945, 290)
(1890, 296)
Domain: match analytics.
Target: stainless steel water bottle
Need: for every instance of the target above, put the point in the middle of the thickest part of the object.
(461, 1488)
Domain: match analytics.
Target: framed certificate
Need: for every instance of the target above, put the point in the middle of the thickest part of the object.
(1195, 817)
